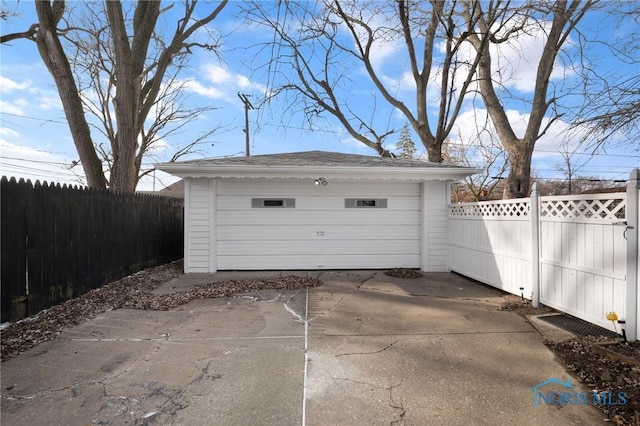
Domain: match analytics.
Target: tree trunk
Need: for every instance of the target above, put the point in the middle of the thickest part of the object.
(520, 151)
(565, 17)
(129, 68)
(56, 61)
(519, 178)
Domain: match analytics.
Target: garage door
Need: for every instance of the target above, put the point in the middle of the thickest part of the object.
(299, 225)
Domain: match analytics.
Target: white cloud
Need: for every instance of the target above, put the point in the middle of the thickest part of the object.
(158, 147)
(7, 85)
(516, 61)
(33, 164)
(49, 101)
(201, 89)
(514, 64)
(404, 82)
(11, 107)
(22, 96)
(382, 50)
(221, 83)
(244, 82)
(6, 133)
(473, 125)
(551, 150)
(216, 74)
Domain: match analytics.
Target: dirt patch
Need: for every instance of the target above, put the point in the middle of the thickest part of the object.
(132, 292)
(601, 373)
(404, 273)
(522, 306)
(592, 366)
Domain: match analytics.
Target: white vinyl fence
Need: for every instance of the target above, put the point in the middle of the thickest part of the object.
(577, 254)
(491, 242)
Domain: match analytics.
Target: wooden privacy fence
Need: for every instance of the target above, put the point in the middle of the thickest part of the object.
(60, 242)
(577, 254)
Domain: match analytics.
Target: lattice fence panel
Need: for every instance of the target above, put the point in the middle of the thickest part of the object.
(499, 209)
(590, 208)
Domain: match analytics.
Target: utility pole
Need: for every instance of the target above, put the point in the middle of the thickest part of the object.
(247, 106)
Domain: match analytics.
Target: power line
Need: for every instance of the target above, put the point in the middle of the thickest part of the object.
(572, 179)
(591, 154)
(33, 169)
(43, 120)
(33, 149)
(35, 161)
(590, 168)
(43, 175)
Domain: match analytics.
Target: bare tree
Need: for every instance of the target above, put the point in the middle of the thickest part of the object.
(579, 185)
(613, 111)
(611, 108)
(92, 63)
(570, 167)
(557, 19)
(482, 151)
(7, 11)
(319, 48)
(137, 60)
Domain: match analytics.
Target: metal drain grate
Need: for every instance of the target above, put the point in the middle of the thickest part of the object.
(577, 326)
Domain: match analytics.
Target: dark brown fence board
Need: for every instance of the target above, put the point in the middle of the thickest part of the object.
(59, 242)
(13, 244)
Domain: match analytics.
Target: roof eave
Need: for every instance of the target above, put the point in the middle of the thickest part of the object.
(311, 172)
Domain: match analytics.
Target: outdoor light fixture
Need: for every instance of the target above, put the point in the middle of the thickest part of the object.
(321, 181)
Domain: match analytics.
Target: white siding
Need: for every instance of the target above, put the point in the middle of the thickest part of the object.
(435, 239)
(199, 208)
(319, 232)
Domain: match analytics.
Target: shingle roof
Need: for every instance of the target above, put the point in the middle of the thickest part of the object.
(311, 164)
(318, 158)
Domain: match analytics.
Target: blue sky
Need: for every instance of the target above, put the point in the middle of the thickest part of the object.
(35, 142)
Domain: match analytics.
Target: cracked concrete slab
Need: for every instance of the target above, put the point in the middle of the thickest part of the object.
(364, 348)
(209, 359)
(424, 352)
(454, 379)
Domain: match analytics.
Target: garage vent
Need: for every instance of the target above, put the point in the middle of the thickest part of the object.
(257, 203)
(365, 203)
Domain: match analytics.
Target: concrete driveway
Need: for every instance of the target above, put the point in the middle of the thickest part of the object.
(363, 349)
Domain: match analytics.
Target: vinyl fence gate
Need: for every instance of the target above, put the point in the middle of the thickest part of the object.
(577, 254)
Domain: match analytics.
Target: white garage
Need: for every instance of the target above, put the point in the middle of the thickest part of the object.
(315, 210)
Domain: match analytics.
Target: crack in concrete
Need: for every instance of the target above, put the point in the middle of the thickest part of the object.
(366, 280)
(360, 382)
(392, 402)
(464, 299)
(40, 393)
(341, 299)
(259, 298)
(171, 401)
(395, 405)
(385, 290)
(102, 382)
(335, 305)
(204, 373)
(368, 353)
